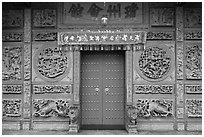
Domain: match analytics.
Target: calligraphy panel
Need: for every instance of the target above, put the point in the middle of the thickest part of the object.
(91, 13)
(11, 63)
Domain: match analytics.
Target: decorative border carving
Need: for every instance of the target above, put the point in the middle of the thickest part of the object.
(180, 64)
(45, 36)
(26, 101)
(44, 18)
(193, 35)
(193, 17)
(67, 68)
(193, 61)
(52, 89)
(193, 89)
(194, 108)
(162, 17)
(179, 23)
(154, 107)
(180, 93)
(160, 35)
(154, 89)
(12, 89)
(27, 61)
(12, 18)
(12, 36)
(11, 107)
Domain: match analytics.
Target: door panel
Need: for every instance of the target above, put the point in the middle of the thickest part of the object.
(102, 87)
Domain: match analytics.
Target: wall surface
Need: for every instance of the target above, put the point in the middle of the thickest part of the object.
(41, 83)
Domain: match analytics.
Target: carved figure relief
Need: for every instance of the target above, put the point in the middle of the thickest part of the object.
(51, 108)
(11, 107)
(12, 18)
(12, 89)
(193, 89)
(154, 108)
(45, 36)
(162, 16)
(12, 37)
(194, 108)
(154, 89)
(44, 18)
(193, 17)
(194, 62)
(42, 89)
(51, 64)
(12, 63)
(154, 63)
(160, 35)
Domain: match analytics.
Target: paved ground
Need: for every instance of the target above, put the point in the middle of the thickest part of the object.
(95, 132)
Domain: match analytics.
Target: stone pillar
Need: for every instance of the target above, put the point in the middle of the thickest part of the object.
(180, 124)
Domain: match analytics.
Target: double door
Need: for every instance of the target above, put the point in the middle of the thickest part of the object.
(102, 88)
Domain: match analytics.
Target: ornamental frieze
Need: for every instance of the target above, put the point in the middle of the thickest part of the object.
(193, 89)
(45, 108)
(12, 18)
(12, 89)
(162, 16)
(11, 108)
(44, 18)
(193, 35)
(194, 108)
(194, 62)
(160, 35)
(154, 89)
(193, 17)
(52, 64)
(12, 63)
(42, 89)
(154, 107)
(12, 37)
(45, 36)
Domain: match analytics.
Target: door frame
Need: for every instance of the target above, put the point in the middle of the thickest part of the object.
(80, 98)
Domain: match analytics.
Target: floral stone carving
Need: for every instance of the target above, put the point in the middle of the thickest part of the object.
(51, 108)
(194, 108)
(11, 108)
(41, 89)
(154, 89)
(12, 61)
(44, 18)
(154, 63)
(194, 62)
(12, 89)
(51, 64)
(154, 108)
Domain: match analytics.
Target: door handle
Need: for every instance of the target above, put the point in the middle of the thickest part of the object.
(97, 89)
(106, 89)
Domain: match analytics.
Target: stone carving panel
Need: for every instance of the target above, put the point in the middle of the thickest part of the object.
(51, 64)
(45, 36)
(12, 18)
(194, 108)
(12, 37)
(11, 108)
(194, 62)
(154, 63)
(193, 17)
(42, 89)
(193, 35)
(12, 89)
(154, 107)
(160, 35)
(162, 16)
(51, 108)
(12, 63)
(193, 89)
(154, 89)
(44, 18)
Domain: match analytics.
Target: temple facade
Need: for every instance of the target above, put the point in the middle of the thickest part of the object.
(103, 65)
